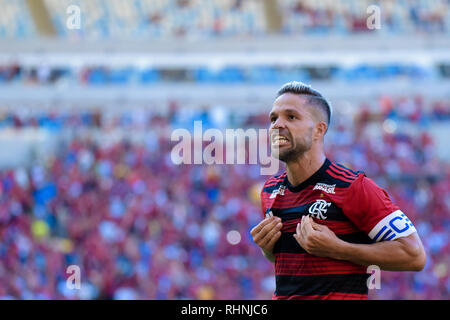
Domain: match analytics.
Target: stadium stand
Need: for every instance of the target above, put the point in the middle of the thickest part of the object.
(15, 20)
(156, 19)
(346, 17)
(104, 75)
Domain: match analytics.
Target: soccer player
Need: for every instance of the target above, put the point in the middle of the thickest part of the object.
(325, 223)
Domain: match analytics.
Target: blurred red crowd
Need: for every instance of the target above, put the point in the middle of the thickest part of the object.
(141, 227)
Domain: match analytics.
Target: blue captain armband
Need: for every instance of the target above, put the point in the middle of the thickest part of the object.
(391, 227)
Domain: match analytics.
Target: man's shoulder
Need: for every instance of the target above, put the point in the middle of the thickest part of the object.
(344, 169)
(275, 179)
(273, 182)
(341, 176)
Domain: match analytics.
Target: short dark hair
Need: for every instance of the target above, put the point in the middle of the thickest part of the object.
(314, 97)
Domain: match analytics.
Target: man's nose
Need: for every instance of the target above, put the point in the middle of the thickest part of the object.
(279, 123)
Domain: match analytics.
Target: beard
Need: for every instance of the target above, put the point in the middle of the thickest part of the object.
(298, 148)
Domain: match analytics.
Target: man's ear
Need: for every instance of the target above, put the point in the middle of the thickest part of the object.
(320, 130)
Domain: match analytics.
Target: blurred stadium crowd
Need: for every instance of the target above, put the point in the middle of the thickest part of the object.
(141, 227)
(202, 18)
(264, 74)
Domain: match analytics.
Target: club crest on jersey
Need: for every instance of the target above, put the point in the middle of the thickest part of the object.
(279, 191)
(319, 208)
(324, 187)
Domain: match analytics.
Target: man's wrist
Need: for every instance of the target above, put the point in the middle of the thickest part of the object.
(341, 251)
(268, 254)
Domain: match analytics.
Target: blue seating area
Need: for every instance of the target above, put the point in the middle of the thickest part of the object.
(15, 20)
(258, 74)
(160, 18)
(347, 17)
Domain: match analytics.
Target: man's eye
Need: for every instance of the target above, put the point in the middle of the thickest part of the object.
(272, 119)
(291, 117)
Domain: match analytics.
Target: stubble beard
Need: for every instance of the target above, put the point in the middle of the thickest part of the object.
(292, 154)
(295, 152)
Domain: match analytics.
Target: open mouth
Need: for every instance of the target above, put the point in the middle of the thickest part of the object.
(280, 140)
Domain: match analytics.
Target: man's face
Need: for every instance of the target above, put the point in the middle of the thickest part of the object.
(291, 127)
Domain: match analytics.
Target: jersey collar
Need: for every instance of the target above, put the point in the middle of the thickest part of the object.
(311, 180)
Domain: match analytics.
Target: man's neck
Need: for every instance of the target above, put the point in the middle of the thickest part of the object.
(304, 167)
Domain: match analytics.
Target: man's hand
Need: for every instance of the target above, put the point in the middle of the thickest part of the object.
(317, 239)
(403, 254)
(266, 233)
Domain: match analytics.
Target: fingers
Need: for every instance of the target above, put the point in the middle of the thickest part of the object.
(273, 239)
(263, 237)
(261, 225)
(261, 231)
(316, 226)
(304, 230)
(268, 238)
(306, 224)
(268, 231)
(298, 229)
(298, 233)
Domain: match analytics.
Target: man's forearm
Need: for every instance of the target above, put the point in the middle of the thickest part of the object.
(403, 254)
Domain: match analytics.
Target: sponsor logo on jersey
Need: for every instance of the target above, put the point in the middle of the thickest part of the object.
(324, 187)
(279, 191)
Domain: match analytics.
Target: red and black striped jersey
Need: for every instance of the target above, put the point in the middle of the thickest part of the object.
(347, 202)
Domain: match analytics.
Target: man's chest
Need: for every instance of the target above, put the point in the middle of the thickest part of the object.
(314, 202)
